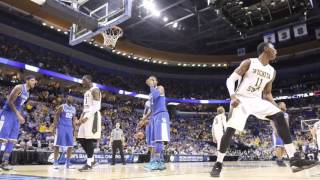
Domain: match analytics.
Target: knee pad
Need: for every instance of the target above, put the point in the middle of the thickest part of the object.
(226, 139)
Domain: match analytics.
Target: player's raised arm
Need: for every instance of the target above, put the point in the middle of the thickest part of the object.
(12, 98)
(267, 92)
(234, 77)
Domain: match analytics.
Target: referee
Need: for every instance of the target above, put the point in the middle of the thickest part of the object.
(117, 141)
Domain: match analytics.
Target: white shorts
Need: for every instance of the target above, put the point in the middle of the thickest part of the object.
(250, 106)
(85, 129)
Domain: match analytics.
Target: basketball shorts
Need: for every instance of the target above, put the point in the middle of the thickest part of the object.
(277, 141)
(64, 137)
(10, 125)
(91, 129)
(160, 127)
(257, 107)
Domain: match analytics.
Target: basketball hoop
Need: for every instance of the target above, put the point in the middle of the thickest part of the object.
(111, 36)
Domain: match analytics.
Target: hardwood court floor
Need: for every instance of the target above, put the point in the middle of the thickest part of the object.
(258, 170)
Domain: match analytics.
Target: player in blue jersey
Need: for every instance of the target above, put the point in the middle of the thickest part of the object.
(277, 141)
(12, 117)
(159, 123)
(145, 122)
(64, 122)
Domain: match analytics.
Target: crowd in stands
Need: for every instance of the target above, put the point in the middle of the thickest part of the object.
(189, 134)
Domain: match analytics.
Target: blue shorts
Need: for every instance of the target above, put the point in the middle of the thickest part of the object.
(277, 141)
(9, 125)
(64, 137)
(160, 127)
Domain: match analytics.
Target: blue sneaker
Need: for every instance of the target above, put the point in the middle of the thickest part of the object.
(152, 165)
(161, 165)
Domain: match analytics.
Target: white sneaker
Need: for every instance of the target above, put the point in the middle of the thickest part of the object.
(55, 166)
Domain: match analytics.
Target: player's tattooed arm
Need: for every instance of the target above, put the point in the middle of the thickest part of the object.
(233, 78)
(96, 94)
(12, 98)
(267, 92)
(243, 67)
(57, 116)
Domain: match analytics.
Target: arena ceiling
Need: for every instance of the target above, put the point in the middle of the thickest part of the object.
(191, 31)
(191, 26)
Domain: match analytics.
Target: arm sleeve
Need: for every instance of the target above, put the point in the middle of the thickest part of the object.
(231, 82)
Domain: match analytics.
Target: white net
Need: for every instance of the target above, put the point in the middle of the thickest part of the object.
(307, 124)
(111, 36)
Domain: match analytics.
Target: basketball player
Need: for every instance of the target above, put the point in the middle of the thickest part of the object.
(315, 131)
(64, 122)
(255, 77)
(219, 126)
(12, 117)
(159, 124)
(90, 121)
(145, 121)
(277, 141)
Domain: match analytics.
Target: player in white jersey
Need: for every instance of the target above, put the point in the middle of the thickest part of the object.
(315, 131)
(219, 125)
(277, 141)
(90, 121)
(253, 96)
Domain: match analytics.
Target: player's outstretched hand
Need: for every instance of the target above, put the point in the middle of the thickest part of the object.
(234, 101)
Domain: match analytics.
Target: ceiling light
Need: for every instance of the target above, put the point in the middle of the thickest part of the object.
(51, 27)
(156, 13)
(58, 30)
(165, 19)
(44, 24)
(175, 25)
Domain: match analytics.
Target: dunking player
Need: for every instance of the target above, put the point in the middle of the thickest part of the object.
(64, 121)
(159, 123)
(277, 141)
(255, 77)
(90, 120)
(12, 117)
(219, 126)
